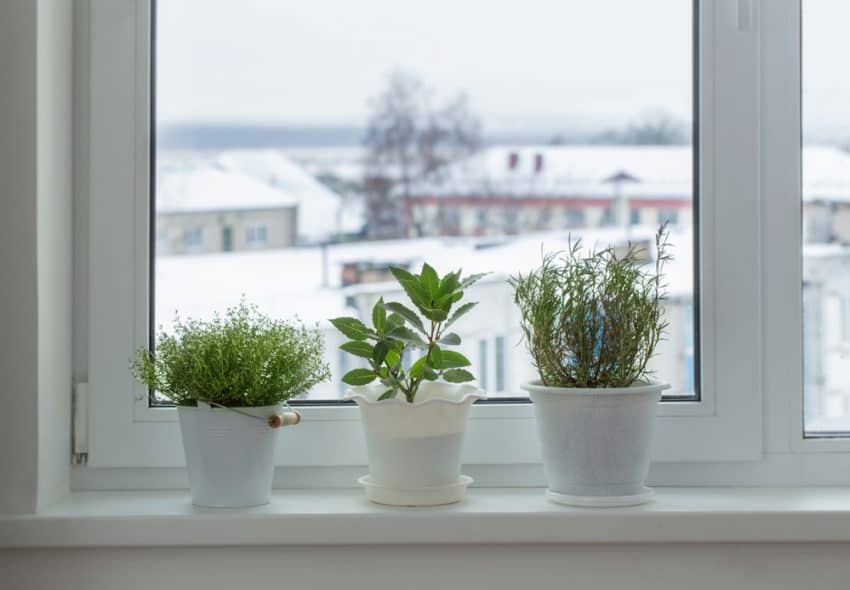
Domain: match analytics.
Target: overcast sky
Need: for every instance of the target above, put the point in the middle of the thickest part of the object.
(319, 61)
(530, 62)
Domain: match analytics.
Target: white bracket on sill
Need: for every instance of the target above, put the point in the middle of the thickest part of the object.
(80, 426)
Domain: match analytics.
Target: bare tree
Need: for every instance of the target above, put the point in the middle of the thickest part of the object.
(408, 141)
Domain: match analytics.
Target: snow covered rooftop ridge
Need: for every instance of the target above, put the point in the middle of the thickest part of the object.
(199, 187)
(592, 171)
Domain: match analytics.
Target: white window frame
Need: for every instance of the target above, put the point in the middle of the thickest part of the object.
(750, 301)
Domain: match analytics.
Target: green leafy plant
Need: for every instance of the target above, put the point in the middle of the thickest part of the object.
(243, 359)
(398, 330)
(593, 320)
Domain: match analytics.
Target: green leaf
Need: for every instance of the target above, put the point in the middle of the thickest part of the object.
(359, 377)
(430, 281)
(388, 394)
(352, 327)
(417, 294)
(450, 283)
(472, 279)
(435, 315)
(457, 376)
(451, 359)
(429, 373)
(401, 274)
(380, 352)
(394, 320)
(358, 348)
(460, 311)
(406, 313)
(379, 316)
(446, 301)
(450, 339)
(436, 357)
(407, 335)
(416, 368)
(393, 358)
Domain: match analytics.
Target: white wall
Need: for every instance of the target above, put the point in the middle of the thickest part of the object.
(493, 567)
(18, 270)
(35, 241)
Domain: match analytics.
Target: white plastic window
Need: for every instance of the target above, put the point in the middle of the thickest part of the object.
(726, 160)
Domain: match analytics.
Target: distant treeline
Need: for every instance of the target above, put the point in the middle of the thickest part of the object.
(233, 136)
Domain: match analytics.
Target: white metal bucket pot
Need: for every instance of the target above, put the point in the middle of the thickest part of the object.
(229, 454)
(415, 449)
(596, 443)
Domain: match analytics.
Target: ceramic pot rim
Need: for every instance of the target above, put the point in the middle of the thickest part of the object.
(472, 394)
(643, 388)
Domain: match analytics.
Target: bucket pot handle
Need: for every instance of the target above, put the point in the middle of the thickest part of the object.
(289, 417)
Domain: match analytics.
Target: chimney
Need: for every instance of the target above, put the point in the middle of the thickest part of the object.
(620, 204)
(538, 163)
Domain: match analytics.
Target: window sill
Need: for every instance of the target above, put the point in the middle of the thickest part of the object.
(489, 515)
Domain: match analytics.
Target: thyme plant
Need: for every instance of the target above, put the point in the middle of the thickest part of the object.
(242, 359)
(398, 330)
(593, 320)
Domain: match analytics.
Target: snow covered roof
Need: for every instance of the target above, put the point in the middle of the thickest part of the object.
(318, 206)
(586, 171)
(582, 171)
(195, 187)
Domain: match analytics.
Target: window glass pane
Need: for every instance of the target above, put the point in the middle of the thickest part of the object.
(826, 217)
(303, 150)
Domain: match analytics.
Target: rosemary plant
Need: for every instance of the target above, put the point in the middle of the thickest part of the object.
(243, 359)
(593, 320)
(398, 330)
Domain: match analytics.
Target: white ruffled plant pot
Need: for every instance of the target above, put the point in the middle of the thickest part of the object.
(229, 455)
(596, 443)
(414, 449)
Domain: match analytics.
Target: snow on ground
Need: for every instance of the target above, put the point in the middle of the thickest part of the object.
(289, 282)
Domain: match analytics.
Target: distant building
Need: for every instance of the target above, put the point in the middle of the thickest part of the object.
(826, 196)
(321, 215)
(514, 190)
(240, 200)
(204, 209)
(826, 335)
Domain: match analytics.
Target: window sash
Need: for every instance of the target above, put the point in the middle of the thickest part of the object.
(725, 425)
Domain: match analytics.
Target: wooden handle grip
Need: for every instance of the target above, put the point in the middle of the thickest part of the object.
(290, 418)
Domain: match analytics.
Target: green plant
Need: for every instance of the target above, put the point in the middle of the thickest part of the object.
(593, 320)
(397, 330)
(243, 359)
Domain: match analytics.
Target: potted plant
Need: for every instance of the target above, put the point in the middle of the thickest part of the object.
(229, 378)
(591, 323)
(414, 413)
